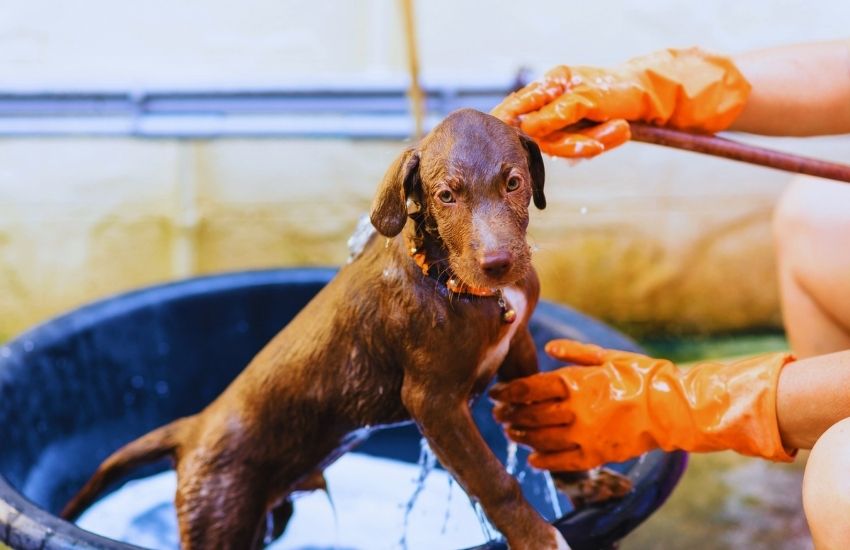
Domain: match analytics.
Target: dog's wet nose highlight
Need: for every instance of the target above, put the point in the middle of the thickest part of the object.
(496, 263)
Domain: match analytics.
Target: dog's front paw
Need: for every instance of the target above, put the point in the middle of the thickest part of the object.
(560, 541)
(547, 539)
(593, 486)
(556, 540)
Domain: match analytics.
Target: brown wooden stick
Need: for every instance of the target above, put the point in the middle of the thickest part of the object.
(415, 92)
(726, 148)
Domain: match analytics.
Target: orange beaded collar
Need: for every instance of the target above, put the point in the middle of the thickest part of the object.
(457, 286)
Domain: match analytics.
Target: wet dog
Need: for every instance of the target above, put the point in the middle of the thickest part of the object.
(419, 323)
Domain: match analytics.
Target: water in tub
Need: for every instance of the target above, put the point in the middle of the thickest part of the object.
(374, 503)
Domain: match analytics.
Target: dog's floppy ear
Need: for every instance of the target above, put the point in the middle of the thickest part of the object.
(535, 168)
(389, 209)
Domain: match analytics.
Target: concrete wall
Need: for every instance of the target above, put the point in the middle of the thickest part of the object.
(648, 238)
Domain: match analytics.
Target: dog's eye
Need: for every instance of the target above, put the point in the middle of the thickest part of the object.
(512, 184)
(446, 196)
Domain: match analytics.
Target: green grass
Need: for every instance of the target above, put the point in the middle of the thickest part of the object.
(698, 348)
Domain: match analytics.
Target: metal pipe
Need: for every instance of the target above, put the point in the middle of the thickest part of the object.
(375, 111)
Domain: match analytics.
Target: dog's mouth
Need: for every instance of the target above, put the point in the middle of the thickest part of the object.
(469, 272)
(499, 282)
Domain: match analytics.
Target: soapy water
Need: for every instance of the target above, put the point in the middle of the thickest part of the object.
(552, 494)
(427, 462)
(511, 458)
(371, 497)
(372, 503)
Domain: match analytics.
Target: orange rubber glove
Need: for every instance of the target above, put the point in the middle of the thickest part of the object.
(687, 89)
(619, 405)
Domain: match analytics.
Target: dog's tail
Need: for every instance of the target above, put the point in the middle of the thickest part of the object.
(152, 446)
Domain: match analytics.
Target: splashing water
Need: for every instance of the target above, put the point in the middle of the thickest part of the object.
(368, 496)
(427, 462)
(269, 529)
(269, 538)
(448, 506)
(511, 458)
(486, 527)
(336, 519)
(552, 495)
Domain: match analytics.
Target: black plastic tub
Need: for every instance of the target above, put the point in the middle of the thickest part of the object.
(79, 386)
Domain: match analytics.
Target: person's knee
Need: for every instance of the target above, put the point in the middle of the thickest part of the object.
(811, 215)
(786, 212)
(826, 488)
(795, 217)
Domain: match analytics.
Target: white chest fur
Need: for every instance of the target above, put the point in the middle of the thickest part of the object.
(495, 354)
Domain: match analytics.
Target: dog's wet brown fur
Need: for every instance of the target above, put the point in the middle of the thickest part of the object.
(381, 344)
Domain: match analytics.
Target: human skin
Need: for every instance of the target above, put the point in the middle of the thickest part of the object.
(797, 90)
(826, 488)
(813, 394)
(811, 227)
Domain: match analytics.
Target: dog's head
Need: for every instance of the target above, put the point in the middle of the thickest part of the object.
(470, 182)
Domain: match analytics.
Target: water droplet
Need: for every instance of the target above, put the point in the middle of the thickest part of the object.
(269, 529)
(161, 387)
(582, 210)
(137, 381)
(486, 527)
(448, 505)
(552, 495)
(510, 458)
(427, 462)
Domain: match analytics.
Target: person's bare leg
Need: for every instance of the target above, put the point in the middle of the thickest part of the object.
(812, 233)
(826, 489)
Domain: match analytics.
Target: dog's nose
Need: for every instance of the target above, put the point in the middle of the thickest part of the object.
(495, 264)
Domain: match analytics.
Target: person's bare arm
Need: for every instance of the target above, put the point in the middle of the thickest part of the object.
(799, 90)
(813, 395)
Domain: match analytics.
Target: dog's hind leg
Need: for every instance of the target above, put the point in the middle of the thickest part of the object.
(281, 513)
(221, 507)
(278, 519)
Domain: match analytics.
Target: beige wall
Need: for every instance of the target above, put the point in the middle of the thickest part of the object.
(187, 43)
(648, 238)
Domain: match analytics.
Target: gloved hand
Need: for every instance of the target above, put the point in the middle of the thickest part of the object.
(687, 89)
(617, 405)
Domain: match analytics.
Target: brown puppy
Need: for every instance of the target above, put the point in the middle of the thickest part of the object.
(413, 328)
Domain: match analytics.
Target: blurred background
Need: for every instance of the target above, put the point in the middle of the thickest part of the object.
(149, 141)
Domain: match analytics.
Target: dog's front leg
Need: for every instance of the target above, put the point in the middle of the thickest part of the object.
(444, 418)
(521, 359)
